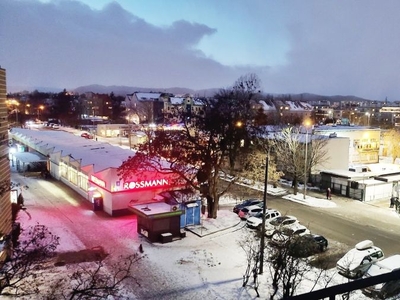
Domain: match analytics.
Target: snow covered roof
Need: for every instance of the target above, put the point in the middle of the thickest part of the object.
(176, 100)
(299, 106)
(101, 155)
(28, 157)
(148, 96)
(265, 106)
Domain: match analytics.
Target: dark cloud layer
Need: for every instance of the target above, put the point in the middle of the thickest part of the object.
(68, 44)
(345, 47)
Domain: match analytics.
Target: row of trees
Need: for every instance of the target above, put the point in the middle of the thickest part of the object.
(225, 141)
(63, 106)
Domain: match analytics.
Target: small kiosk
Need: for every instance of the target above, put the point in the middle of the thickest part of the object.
(158, 222)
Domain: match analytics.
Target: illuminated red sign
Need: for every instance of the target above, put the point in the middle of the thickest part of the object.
(145, 184)
(98, 181)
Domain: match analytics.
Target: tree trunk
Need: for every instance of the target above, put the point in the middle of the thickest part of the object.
(215, 207)
(294, 185)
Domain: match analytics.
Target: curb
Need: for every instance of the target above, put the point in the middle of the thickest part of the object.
(210, 233)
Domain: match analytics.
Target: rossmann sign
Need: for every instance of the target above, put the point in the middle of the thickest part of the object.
(144, 184)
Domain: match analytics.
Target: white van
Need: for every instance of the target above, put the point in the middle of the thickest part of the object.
(358, 260)
(386, 289)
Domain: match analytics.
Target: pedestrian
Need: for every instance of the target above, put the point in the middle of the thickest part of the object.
(328, 194)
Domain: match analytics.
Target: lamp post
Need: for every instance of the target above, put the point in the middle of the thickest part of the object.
(262, 240)
(41, 107)
(305, 162)
(368, 115)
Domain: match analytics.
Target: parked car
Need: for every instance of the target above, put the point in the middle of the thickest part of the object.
(256, 221)
(249, 211)
(86, 135)
(279, 224)
(358, 260)
(307, 244)
(282, 237)
(245, 203)
(387, 289)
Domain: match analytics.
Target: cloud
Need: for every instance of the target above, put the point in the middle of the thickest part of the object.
(67, 44)
(341, 47)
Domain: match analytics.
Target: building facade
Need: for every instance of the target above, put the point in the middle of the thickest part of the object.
(5, 201)
(364, 141)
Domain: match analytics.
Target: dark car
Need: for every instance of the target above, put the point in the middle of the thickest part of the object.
(245, 203)
(308, 244)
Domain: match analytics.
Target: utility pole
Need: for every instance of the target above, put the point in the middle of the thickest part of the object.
(129, 136)
(262, 240)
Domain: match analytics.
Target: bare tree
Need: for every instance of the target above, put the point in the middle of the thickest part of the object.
(252, 250)
(391, 140)
(289, 152)
(96, 282)
(18, 275)
(255, 168)
(289, 148)
(289, 267)
(208, 145)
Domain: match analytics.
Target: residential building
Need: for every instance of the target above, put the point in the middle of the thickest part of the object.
(5, 201)
(96, 105)
(391, 114)
(174, 105)
(145, 107)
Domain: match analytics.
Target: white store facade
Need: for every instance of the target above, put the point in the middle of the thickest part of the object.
(90, 168)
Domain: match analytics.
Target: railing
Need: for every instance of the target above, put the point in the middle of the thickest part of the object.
(345, 288)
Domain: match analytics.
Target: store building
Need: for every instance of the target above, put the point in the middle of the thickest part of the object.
(364, 182)
(91, 168)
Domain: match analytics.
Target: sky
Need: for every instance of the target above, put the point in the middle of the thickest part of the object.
(326, 47)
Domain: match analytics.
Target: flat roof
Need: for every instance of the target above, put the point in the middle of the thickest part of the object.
(88, 151)
(28, 157)
(155, 209)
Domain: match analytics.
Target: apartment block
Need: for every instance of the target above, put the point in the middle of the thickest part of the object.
(5, 201)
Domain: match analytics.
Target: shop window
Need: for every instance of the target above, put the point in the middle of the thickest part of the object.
(63, 170)
(73, 176)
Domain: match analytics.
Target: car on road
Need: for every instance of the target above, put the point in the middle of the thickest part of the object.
(383, 290)
(87, 135)
(358, 260)
(249, 211)
(245, 203)
(288, 233)
(278, 224)
(255, 222)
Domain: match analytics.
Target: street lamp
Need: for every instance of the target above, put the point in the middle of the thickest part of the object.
(368, 115)
(306, 124)
(41, 107)
(262, 240)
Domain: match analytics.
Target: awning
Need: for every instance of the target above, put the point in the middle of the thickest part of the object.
(29, 157)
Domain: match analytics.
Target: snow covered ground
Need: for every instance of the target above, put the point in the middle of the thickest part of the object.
(209, 263)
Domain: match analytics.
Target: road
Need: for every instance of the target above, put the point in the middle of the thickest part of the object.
(350, 222)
